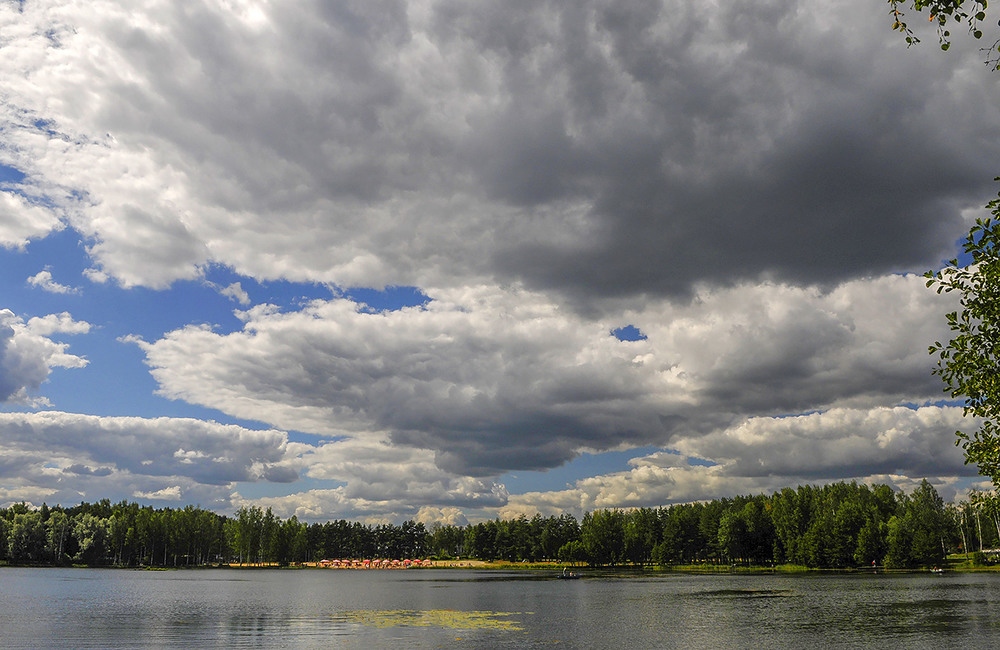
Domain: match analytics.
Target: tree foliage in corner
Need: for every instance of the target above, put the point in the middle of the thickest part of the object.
(942, 13)
(969, 363)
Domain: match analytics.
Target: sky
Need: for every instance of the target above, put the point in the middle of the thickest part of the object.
(452, 260)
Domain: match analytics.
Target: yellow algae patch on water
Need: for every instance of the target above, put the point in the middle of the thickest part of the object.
(443, 618)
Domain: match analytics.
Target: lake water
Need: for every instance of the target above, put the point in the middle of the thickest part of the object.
(442, 608)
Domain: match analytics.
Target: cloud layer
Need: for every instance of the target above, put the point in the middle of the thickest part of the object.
(750, 184)
(593, 149)
(68, 457)
(895, 446)
(494, 380)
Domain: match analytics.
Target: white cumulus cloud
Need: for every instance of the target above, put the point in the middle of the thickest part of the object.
(21, 221)
(27, 355)
(44, 281)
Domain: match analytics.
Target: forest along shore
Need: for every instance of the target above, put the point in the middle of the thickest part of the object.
(841, 526)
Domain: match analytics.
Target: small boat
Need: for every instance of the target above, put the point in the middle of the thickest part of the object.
(568, 575)
(937, 569)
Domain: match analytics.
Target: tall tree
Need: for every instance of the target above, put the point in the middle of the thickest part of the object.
(57, 530)
(27, 537)
(602, 533)
(91, 534)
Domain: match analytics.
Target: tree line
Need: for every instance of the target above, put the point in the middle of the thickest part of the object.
(127, 534)
(841, 525)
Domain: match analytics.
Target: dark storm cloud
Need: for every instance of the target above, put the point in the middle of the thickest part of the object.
(714, 145)
(88, 471)
(593, 148)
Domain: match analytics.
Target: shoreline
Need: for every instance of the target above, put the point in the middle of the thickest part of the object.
(501, 565)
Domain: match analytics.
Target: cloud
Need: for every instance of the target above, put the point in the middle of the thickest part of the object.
(68, 456)
(380, 481)
(61, 323)
(494, 380)
(21, 221)
(897, 446)
(842, 442)
(31, 495)
(71, 455)
(208, 452)
(27, 355)
(43, 280)
(775, 349)
(79, 468)
(334, 503)
(477, 376)
(591, 149)
(236, 292)
(233, 291)
(172, 493)
(429, 516)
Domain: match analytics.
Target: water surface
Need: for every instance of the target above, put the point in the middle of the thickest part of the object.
(433, 608)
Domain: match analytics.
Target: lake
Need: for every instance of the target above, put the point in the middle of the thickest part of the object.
(460, 608)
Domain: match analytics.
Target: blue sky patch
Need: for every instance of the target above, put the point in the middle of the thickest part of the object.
(583, 466)
(388, 299)
(10, 174)
(628, 333)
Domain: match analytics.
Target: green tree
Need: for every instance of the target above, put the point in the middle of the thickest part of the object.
(27, 537)
(91, 534)
(603, 535)
(969, 364)
(446, 541)
(733, 536)
(988, 505)
(848, 521)
(300, 541)
(4, 536)
(708, 526)
(268, 539)
(761, 537)
(792, 512)
(573, 551)
(899, 543)
(57, 530)
(929, 538)
(412, 540)
(871, 548)
(681, 539)
(641, 535)
(917, 535)
(814, 545)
